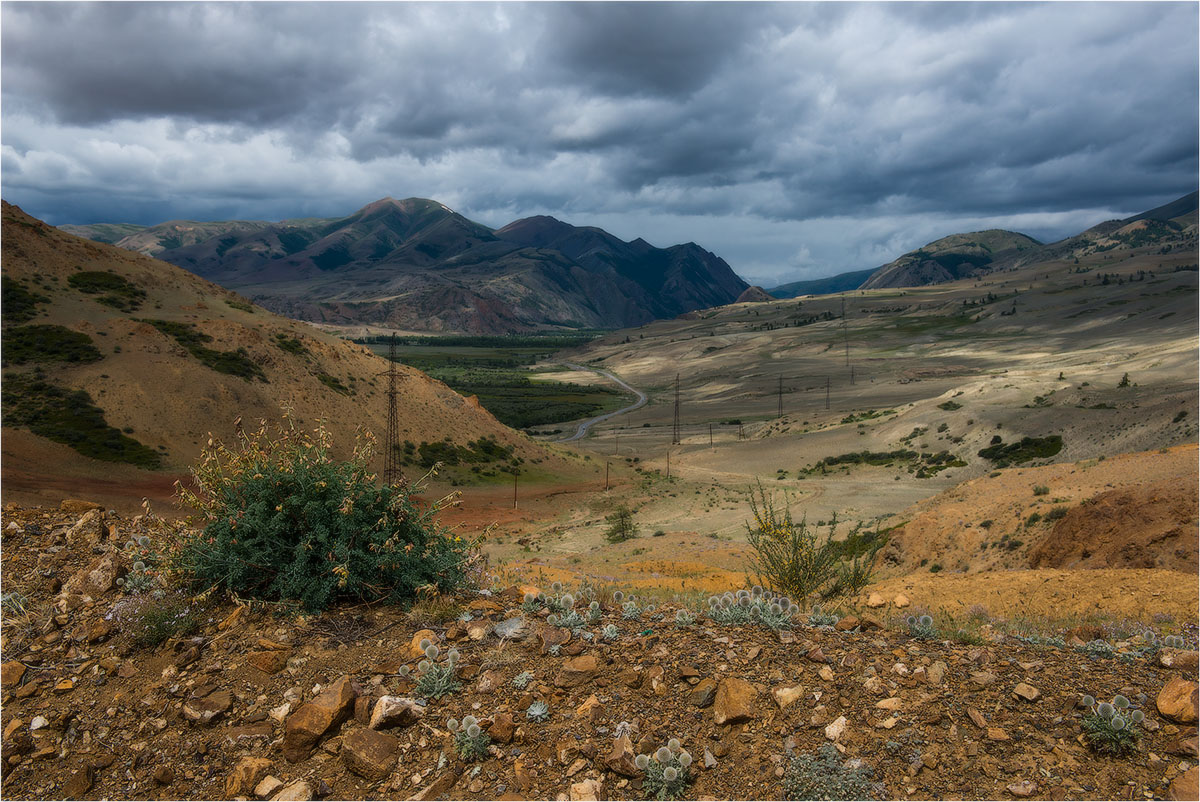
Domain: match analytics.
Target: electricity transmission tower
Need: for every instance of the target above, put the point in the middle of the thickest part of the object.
(392, 473)
(675, 426)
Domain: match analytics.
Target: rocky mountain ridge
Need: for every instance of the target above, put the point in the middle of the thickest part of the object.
(415, 264)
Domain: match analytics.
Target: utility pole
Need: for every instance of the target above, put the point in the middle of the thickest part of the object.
(515, 472)
(781, 396)
(668, 463)
(741, 432)
(606, 476)
(710, 443)
(826, 392)
(675, 426)
(392, 472)
(851, 374)
(617, 444)
(845, 332)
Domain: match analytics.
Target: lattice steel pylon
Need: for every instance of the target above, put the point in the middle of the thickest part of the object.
(392, 473)
(675, 426)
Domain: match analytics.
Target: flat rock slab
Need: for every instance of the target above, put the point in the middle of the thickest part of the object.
(369, 754)
(577, 671)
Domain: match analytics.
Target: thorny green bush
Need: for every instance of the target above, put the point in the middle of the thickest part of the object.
(286, 521)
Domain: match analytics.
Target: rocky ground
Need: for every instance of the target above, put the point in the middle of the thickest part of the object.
(257, 704)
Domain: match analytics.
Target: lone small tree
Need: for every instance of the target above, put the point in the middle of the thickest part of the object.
(621, 526)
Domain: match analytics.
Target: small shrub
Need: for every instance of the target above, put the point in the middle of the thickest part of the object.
(610, 632)
(289, 344)
(621, 525)
(825, 776)
(1041, 490)
(538, 711)
(69, 417)
(1097, 648)
(935, 568)
(949, 406)
(42, 343)
(1056, 513)
(114, 290)
(1032, 519)
(521, 680)
(786, 555)
(469, 739)
(19, 304)
(285, 521)
(1124, 381)
(756, 606)
(157, 617)
(436, 610)
(819, 618)
(235, 363)
(1029, 448)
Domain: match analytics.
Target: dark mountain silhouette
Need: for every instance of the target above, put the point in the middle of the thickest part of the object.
(416, 264)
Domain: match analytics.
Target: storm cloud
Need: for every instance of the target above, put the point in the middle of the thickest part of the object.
(796, 140)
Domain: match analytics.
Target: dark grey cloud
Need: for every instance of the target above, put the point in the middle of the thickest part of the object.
(794, 139)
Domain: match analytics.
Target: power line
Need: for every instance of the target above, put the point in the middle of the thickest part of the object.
(392, 473)
(675, 428)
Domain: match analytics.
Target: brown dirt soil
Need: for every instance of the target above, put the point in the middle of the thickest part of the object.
(1150, 520)
(1050, 593)
(1149, 525)
(114, 716)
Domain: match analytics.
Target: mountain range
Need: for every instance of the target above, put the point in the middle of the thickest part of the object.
(415, 264)
(979, 253)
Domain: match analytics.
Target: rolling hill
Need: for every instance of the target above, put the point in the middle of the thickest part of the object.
(415, 264)
(118, 366)
(1170, 226)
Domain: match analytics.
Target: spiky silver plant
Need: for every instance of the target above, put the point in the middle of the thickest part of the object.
(469, 738)
(1112, 728)
(666, 775)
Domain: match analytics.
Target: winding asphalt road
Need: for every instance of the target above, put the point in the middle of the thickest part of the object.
(587, 424)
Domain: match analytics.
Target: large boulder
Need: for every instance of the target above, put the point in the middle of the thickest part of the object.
(1178, 700)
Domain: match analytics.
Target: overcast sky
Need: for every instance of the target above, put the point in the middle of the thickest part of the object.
(795, 140)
